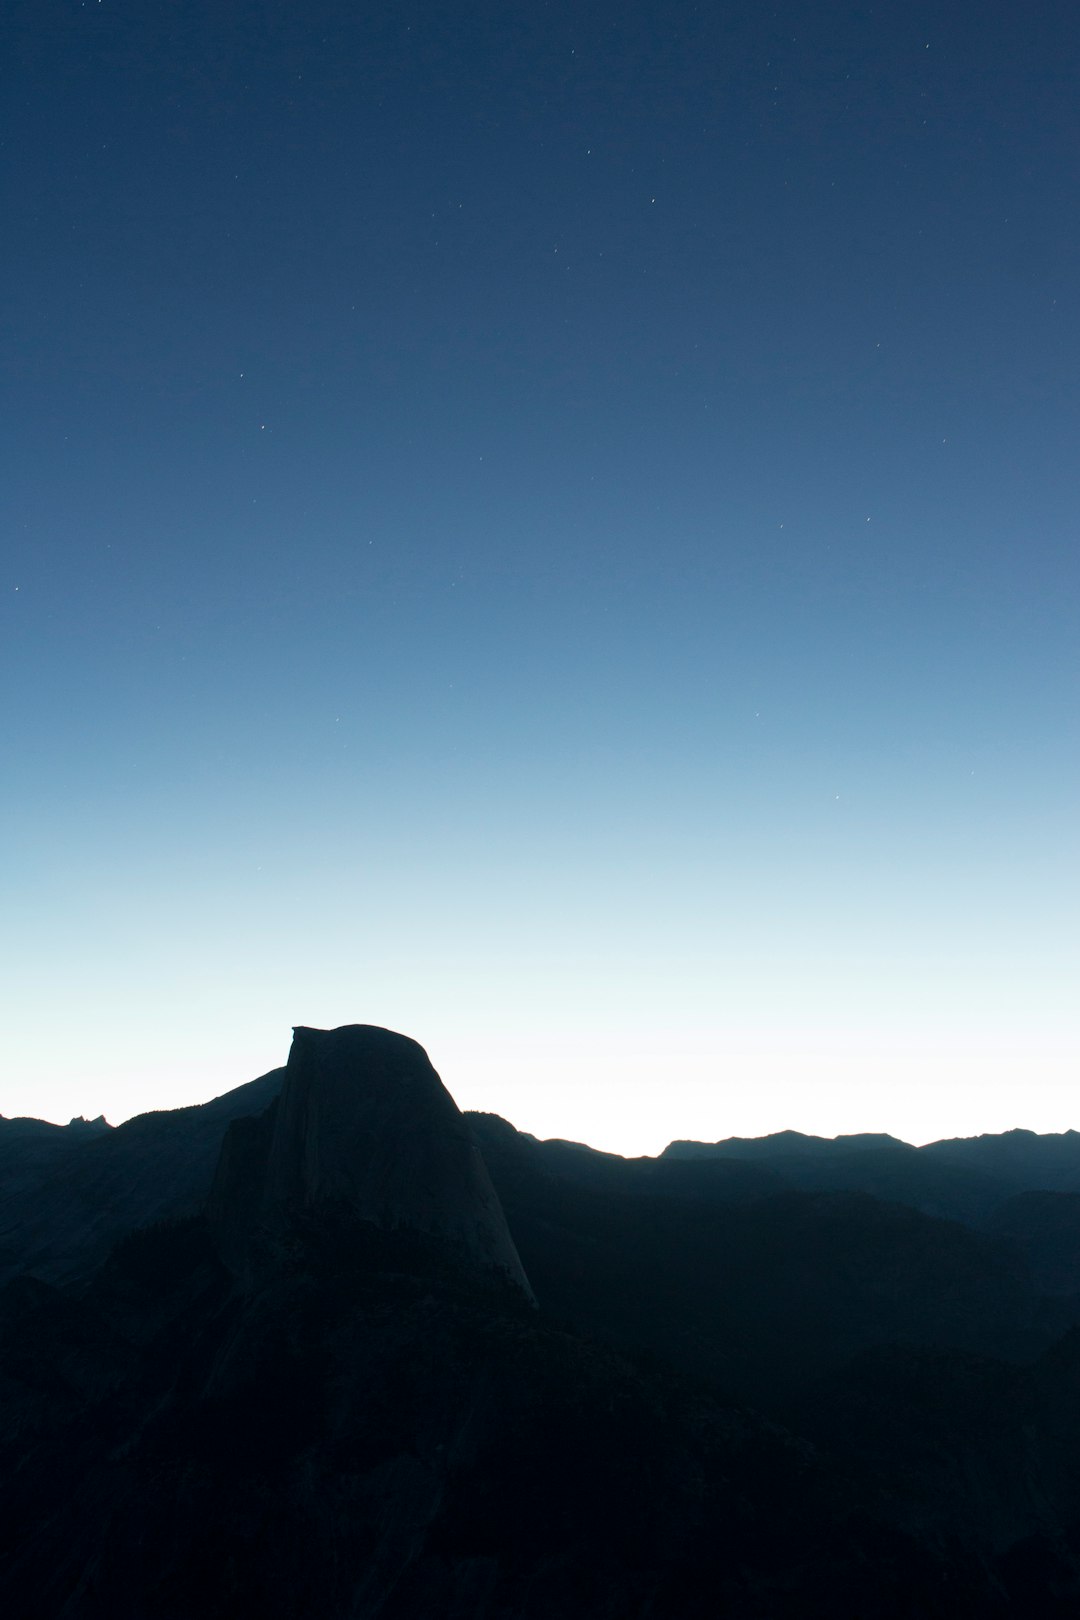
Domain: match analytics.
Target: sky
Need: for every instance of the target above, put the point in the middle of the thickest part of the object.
(551, 528)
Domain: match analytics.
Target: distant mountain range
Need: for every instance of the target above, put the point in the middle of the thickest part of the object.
(326, 1345)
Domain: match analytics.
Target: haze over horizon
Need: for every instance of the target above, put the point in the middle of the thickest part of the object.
(629, 1129)
(553, 530)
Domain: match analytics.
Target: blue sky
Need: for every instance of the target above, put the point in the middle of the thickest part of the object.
(554, 531)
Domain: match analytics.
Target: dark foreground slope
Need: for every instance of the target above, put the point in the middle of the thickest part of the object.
(331, 1391)
(366, 1433)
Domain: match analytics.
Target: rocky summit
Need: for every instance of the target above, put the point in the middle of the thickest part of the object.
(363, 1131)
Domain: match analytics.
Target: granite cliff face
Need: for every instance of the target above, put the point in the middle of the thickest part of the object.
(363, 1131)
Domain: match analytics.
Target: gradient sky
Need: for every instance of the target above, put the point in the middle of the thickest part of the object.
(552, 528)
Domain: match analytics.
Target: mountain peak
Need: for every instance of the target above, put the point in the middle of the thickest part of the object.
(364, 1127)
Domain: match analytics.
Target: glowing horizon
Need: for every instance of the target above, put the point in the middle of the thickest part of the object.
(564, 548)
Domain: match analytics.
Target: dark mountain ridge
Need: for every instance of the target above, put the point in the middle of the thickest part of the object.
(972, 1173)
(281, 1352)
(782, 1144)
(88, 1182)
(1030, 1162)
(64, 1206)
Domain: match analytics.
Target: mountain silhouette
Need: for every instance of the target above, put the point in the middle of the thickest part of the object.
(363, 1131)
(283, 1353)
(67, 1194)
